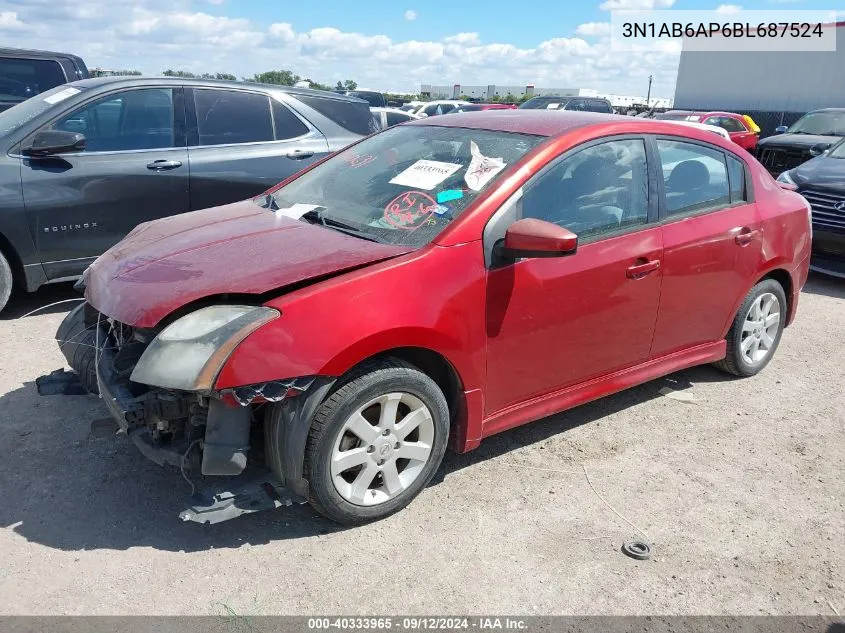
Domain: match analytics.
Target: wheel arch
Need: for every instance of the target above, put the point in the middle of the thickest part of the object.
(783, 277)
(779, 274)
(293, 418)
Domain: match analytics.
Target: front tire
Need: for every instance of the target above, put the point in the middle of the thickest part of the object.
(6, 282)
(756, 330)
(376, 442)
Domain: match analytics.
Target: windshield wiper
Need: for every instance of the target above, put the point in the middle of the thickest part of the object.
(316, 215)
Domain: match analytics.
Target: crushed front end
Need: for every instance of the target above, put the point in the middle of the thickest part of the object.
(157, 384)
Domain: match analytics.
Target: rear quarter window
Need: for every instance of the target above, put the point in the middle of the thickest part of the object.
(350, 115)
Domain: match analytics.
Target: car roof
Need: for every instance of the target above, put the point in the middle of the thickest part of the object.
(552, 123)
(538, 122)
(96, 82)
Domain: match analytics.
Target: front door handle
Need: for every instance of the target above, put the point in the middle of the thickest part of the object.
(164, 165)
(745, 236)
(642, 268)
(299, 154)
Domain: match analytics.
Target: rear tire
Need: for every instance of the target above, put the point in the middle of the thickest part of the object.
(756, 330)
(6, 282)
(376, 442)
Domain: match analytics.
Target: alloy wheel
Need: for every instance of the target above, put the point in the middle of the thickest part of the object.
(382, 449)
(760, 328)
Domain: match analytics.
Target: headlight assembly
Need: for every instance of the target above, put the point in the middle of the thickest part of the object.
(189, 353)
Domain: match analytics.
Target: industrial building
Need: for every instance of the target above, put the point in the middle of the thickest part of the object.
(775, 88)
(456, 91)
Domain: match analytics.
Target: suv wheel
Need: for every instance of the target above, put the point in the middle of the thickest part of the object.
(755, 333)
(376, 442)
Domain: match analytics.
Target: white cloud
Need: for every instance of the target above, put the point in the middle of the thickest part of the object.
(410, 15)
(471, 39)
(728, 9)
(9, 20)
(635, 5)
(594, 29)
(153, 35)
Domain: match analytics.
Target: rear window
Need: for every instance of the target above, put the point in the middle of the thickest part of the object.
(21, 79)
(228, 116)
(375, 99)
(350, 115)
(545, 103)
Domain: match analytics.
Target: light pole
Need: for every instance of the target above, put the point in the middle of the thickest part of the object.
(648, 96)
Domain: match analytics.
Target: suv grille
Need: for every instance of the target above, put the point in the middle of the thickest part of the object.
(778, 159)
(826, 217)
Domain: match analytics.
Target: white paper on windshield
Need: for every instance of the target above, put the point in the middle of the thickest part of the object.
(553, 106)
(61, 95)
(481, 168)
(296, 211)
(425, 174)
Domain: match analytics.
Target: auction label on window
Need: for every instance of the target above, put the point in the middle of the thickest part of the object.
(61, 95)
(425, 174)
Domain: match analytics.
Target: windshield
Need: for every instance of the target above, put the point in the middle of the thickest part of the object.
(821, 123)
(679, 116)
(405, 185)
(25, 111)
(544, 103)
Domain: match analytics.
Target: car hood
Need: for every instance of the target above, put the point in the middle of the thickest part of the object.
(235, 249)
(821, 172)
(800, 141)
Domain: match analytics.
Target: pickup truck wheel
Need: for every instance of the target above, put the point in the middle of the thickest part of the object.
(755, 333)
(375, 443)
(5, 282)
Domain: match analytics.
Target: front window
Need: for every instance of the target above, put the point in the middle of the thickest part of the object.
(678, 116)
(131, 120)
(26, 111)
(821, 123)
(405, 185)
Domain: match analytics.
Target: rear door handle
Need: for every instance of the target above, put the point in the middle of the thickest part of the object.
(642, 268)
(746, 235)
(299, 154)
(164, 165)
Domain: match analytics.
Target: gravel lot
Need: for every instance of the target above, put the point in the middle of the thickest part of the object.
(740, 491)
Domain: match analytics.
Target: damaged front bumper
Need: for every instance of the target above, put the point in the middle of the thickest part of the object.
(206, 434)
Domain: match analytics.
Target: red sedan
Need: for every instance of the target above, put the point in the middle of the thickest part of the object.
(742, 129)
(430, 286)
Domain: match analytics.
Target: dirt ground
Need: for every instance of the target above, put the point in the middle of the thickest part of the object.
(742, 493)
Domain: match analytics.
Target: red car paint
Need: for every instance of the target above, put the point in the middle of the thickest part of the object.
(745, 137)
(525, 340)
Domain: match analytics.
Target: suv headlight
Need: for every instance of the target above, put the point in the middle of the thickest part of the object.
(189, 353)
(786, 177)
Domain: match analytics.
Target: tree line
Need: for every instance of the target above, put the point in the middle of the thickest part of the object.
(277, 77)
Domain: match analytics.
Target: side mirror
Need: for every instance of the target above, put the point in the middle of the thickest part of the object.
(537, 238)
(780, 129)
(50, 142)
(818, 149)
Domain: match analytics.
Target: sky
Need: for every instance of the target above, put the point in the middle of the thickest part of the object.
(388, 45)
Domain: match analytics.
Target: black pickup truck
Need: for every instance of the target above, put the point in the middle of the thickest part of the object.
(24, 73)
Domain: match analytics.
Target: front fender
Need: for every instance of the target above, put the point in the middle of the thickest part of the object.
(433, 301)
